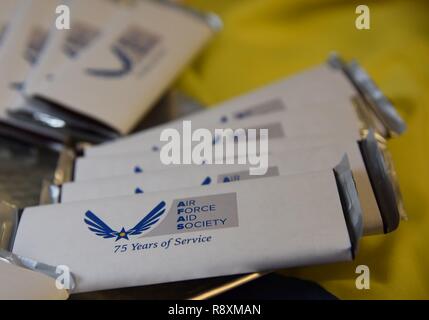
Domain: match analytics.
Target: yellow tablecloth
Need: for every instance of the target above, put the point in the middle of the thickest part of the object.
(264, 40)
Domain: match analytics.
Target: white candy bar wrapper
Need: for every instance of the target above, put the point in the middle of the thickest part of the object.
(127, 70)
(250, 226)
(22, 284)
(280, 163)
(319, 128)
(88, 20)
(322, 89)
(329, 90)
(7, 10)
(26, 36)
(118, 175)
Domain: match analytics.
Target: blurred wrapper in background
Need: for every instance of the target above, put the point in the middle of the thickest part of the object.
(264, 40)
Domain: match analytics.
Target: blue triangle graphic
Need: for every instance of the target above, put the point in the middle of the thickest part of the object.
(207, 181)
(137, 169)
(138, 191)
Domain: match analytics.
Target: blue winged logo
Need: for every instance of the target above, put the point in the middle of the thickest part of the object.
(101, 229)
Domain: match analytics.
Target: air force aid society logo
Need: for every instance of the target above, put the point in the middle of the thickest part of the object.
(132, 47)
(195, 214)
(101, 229)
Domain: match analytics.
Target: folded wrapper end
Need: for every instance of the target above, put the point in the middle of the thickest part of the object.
(390, 167)
(350, 203)
(65, 166)
(50, 194)
(383, 181)
(210, 18)
(380, 105)
(9, 218)
(15, 133)
(53, 272)
(50, 119)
